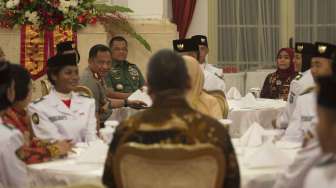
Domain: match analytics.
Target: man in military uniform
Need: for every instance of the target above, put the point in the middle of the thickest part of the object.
(190, 47)
(304, 80)
(323, 174)
(92, 77)
(171, 120)
(302, 124)
(124, 77)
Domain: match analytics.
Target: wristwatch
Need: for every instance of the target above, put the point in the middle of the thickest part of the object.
(125, 103)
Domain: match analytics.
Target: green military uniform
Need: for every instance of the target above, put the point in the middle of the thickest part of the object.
(124, 77)
(98, 89)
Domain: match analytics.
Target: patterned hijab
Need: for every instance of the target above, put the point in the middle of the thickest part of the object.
(290, 71)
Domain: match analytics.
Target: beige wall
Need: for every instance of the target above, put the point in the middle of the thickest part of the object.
(199, 22)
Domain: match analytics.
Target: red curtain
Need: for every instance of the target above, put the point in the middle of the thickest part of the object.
(183, 11)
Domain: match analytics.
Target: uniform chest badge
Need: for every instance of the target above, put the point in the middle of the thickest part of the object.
(115, 73)
(95, 75)
(133, 72)
(35, 118)
(278, 82)
(119, 87)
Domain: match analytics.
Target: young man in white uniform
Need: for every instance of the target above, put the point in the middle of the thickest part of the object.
(213, 76)
(323, 174)
(303, 121)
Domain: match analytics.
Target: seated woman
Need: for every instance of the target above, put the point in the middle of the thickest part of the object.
(171, 119)
(323, 174)
(13, 171)
(64, 114)
(276, 85)
(33, 150)
(198, 99)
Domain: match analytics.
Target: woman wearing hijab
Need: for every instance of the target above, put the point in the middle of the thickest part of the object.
(276, 85)
(34, 150)
(171, 121)
(196, 97)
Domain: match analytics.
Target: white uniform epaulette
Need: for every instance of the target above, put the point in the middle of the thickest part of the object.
(327, 161)
(308, 90)
(299, 76)
(38, 100)
(84, 95)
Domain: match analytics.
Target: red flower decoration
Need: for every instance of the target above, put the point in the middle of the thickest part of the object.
(81, 19)
(93, 20)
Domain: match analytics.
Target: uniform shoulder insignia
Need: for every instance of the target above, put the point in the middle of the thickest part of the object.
(308, 90)
(38, 100)
(327, 161)
(299, 76)
(10, 127)
(84, 95)
(96, 76)
(308, 136)
(131, 63)
(35, 118)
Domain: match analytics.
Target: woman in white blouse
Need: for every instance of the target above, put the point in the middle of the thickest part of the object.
(63, 113)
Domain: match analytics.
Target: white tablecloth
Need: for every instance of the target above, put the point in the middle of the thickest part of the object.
(70, 171)
(260, 177)
(263, 113)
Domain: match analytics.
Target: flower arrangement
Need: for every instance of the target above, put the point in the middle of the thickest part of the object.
(74, 14)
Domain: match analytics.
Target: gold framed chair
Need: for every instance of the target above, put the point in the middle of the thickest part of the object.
(221, 98)
(169, 166)
(83, 90)
(45, 87)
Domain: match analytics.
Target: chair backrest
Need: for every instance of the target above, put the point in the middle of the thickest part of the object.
(220, 96)
(45, 87)
(84, 90)
(169, 166)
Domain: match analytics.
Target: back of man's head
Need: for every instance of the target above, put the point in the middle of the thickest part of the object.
(167, 71)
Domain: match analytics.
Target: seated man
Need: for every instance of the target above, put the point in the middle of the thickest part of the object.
(124, 77)
(323, 172)
(171, 119)
(305, 110)
(191, 47)
(303, 122)
(202, 43)
(92, 77)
